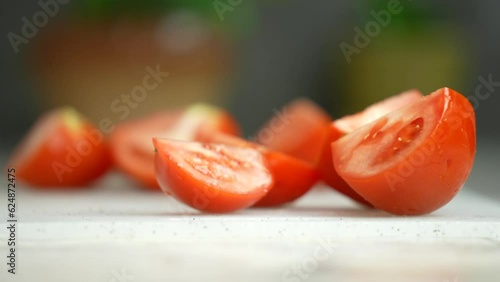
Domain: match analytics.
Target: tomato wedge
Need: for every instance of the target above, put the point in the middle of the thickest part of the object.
(413, 160)
(292, 176)
(209, 177)
(347, 124)
(131, 141)
(61, 150)
(299, 129)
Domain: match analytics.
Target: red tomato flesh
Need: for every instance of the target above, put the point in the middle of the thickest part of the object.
(292, 176)
(211, 177)
(413, 160)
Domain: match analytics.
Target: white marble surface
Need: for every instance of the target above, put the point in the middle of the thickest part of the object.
(115, 232)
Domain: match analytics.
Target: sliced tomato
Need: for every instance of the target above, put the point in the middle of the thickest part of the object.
(347, 124)
(299, 129)
(211, 177)
(131, 141)
(413, 160)
(292, 176)
(62, 149)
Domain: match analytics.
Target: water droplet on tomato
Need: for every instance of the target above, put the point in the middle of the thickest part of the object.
(407, 134)
(376, 130)
(404, 136)
(411, 131)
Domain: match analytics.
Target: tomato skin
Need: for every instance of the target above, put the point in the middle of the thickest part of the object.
(175, 180)
(131, 141)
(299, 130)
(446, 157)
(56, 162)
(292, 179)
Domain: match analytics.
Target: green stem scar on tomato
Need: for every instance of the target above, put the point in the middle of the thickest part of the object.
(413, 160)
(211, 177)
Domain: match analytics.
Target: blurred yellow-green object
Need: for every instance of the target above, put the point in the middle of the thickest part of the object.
(396, 62)
(240, 21)
(412, 51)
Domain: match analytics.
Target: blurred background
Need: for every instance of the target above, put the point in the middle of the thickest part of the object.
(248, 56)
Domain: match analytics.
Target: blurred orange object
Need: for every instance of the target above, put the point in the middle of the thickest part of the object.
(102, 68)
(62, 149)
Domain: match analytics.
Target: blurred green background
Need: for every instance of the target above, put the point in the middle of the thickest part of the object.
(249, 56)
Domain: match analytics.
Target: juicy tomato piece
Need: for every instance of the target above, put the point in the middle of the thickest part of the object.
(292, 176)
(299, 130)
(62, 149)
(210, 177)
(413, 160)
(131, 141)
(347, 124)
